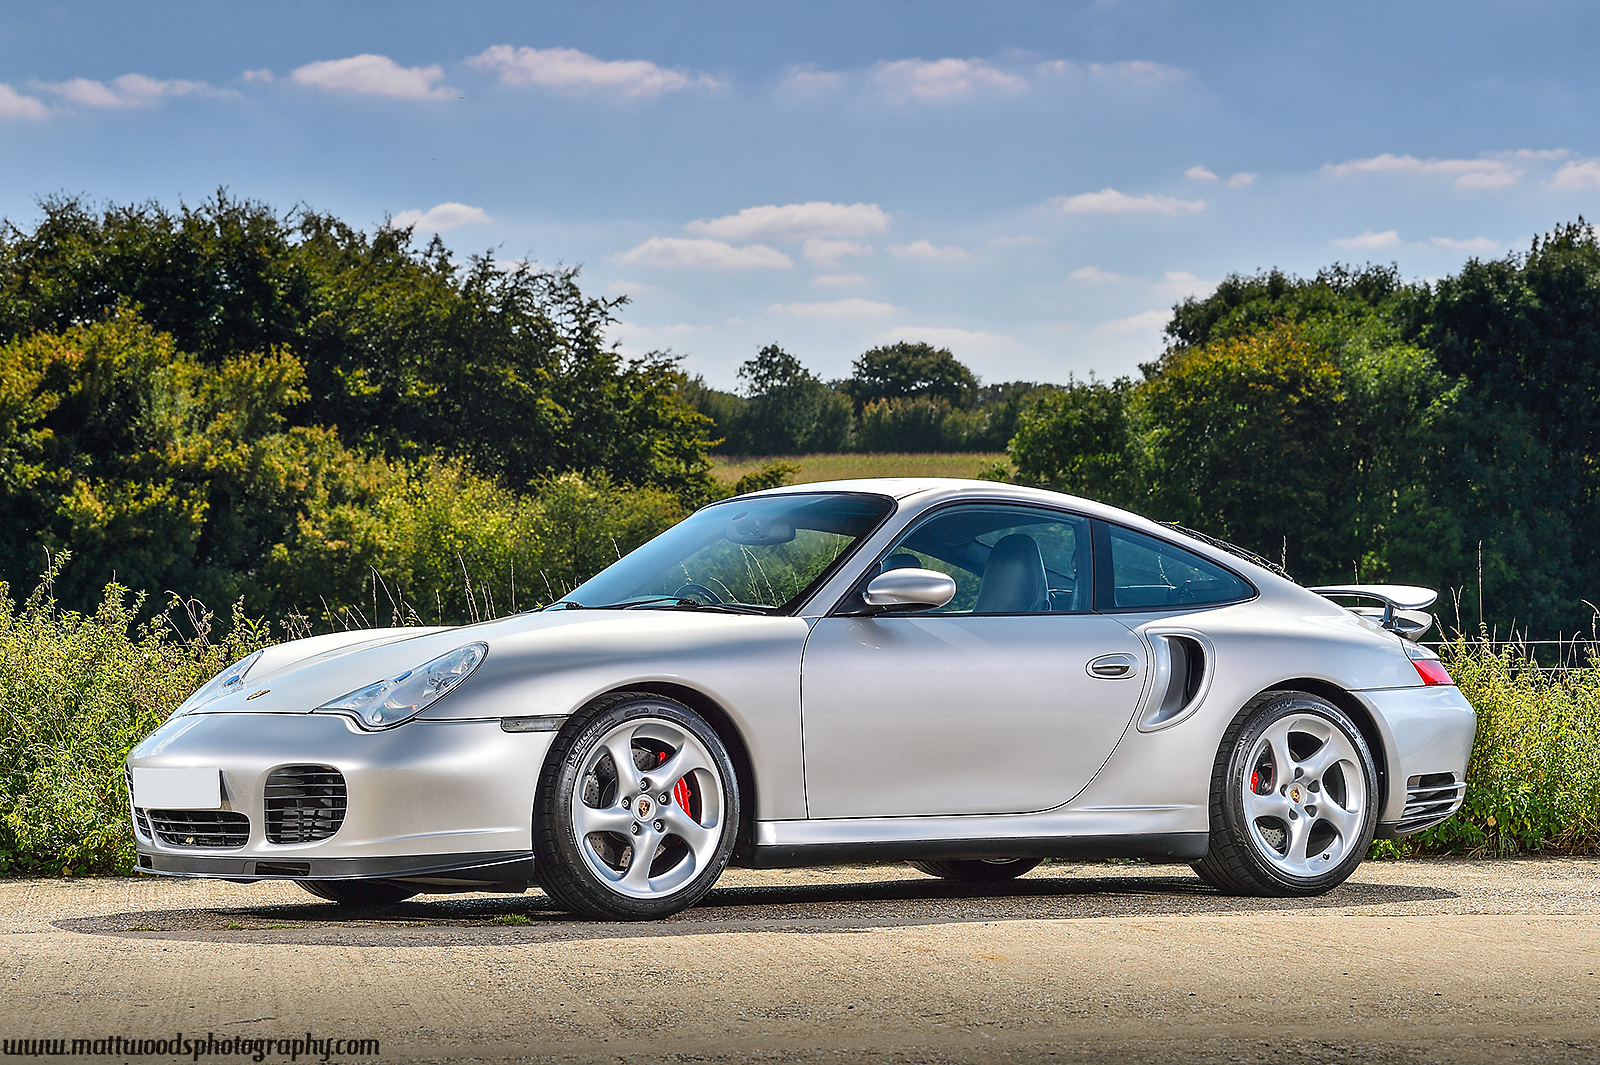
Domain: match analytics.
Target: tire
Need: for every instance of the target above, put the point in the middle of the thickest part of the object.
(588, 813)
(988, 870)
(1294, 799)
(358, 892)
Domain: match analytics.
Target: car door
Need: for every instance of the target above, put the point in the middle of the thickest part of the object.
(1006, 700)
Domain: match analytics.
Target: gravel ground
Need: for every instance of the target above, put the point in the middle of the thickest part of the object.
(1414, 962)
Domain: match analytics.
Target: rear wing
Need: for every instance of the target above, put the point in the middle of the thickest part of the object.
(1404, 607)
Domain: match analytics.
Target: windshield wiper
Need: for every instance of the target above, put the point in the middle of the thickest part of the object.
(679, 602)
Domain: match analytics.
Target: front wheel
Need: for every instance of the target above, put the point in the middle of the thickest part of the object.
(1294, 799)
(637, 810)
(977, 869)
(358, 892)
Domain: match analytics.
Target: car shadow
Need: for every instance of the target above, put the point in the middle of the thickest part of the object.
(445, 920)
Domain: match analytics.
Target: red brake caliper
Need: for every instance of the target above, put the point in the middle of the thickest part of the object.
(680, 790)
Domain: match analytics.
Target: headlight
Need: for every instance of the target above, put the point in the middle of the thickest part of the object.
(390, 702)
(227, 682)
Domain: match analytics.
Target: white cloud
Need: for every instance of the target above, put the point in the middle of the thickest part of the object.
(1149, 321)
(630, 288)
(1199, 173)
(681, 252)
(1180, 284)
(1132, 71)
(15, 105)
(568, 70)
(796, 221)
(1110, 201)
(829, 252)
(1370, 241)
(966, 343)
(855, 309)
(441, 217)
(1578, 175)
(1095, 276)
(941, 80)
(1241, 181)
(1470, 244)
(130, 90)
(263, 75)
(841, 279)
(374, 75)
(1014, 242)
(1468, 173)
(809, 80)
(928, 251)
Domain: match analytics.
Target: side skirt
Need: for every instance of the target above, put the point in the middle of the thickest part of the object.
(1154, 847)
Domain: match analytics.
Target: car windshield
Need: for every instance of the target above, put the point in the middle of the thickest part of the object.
(762, 553)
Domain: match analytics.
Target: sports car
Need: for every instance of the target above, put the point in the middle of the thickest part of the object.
(969, 676)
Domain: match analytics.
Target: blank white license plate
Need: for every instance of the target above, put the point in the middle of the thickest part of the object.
(177, 789)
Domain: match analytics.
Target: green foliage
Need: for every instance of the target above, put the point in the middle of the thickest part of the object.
(769, 475)
(77, 692)
(789, 410)
(907, 370)
(1533, 784)
(1079, 439)
(403, 349)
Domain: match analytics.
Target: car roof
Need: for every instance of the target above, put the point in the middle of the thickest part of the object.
(926, 491)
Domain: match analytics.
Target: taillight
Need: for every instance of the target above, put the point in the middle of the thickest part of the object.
(1429, 668)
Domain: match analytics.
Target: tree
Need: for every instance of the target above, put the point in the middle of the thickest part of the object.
(790, 411)
(1079, 439)
(404, 350)
(910, 371)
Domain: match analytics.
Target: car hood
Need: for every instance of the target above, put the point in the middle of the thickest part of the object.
(299, 676)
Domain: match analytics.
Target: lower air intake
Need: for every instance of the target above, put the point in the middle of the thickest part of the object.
(200, 828)
(304, 803)
(1431, 798)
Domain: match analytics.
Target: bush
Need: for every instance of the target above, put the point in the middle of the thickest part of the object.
(1533, 785)
(77, 692)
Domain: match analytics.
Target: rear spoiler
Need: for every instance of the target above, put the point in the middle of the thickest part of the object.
(1404, 607)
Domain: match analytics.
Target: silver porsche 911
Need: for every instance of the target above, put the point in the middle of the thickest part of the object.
(964, 675)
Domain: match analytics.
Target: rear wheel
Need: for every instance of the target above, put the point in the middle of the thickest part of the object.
(1294, 799)
(358, 892)
(637, 810)
(980, 869)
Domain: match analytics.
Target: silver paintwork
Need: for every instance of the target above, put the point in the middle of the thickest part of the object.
(909, 588)
(892, 730)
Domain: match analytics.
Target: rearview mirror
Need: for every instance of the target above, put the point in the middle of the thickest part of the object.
(908, 589)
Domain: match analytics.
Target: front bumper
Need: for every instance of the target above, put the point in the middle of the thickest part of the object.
(426, 799)
(1427, 739)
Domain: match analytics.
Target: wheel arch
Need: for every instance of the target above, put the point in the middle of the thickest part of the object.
(722, 724)
(1357, 711)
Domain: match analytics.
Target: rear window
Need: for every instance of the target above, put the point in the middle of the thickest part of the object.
(1149, 573)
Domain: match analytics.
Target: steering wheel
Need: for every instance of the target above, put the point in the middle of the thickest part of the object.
(698, 591)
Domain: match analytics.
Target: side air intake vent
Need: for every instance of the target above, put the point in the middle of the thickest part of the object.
(304, 803)
(141, 823)
(200, 828)
(1183, 681)
(1431, 798)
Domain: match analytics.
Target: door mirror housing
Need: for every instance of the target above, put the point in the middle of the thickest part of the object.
(908, 589)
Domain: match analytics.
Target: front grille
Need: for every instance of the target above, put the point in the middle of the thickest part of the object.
(1431, 798)
(200, 828)
(304, 803)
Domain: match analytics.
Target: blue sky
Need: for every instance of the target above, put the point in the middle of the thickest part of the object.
(1030, 184)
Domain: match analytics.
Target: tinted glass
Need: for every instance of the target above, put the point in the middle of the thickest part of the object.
(1147, 572)
(1005, 560)
(753, 552)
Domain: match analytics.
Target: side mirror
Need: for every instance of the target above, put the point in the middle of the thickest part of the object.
(908, 589)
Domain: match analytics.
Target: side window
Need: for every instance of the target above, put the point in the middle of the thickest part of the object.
(1147, 572)
(1005, 559)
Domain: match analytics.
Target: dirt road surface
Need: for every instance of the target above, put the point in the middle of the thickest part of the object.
(1413, 962)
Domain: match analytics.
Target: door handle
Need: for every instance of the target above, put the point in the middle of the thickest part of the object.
(1113, 667)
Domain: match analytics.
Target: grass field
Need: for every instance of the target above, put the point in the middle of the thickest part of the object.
(836, 467)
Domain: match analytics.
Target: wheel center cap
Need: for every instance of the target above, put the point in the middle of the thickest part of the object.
(1294, 794)
(643, 807)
